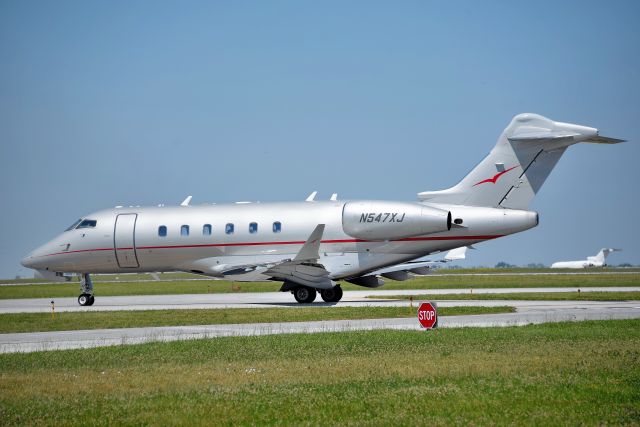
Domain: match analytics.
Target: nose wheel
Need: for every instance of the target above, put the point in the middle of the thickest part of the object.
(86, 297)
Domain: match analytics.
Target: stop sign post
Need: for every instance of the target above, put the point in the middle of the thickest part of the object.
(428, 315)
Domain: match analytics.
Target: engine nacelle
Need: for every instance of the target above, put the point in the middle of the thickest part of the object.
(381, 220)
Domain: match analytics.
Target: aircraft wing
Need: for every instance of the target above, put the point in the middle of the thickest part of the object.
(419, 267)
(303, 269)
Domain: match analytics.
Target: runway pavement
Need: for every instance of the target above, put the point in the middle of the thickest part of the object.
(529, 312)
(252, 300)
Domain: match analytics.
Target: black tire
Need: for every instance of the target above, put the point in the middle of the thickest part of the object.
(92, 299)
(84, 300)
(304, 295)
(332, 295)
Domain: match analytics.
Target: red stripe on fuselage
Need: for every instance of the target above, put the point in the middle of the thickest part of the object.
(301, 242)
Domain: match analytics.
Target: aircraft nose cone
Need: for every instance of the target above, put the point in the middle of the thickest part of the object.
(28, 261)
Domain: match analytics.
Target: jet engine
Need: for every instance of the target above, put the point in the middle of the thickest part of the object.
(382, 220)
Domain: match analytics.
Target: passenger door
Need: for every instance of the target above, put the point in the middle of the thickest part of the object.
(124, 240)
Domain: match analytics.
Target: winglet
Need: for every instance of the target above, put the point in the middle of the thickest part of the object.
(310, 249)
(186, 201)
(455, 254)
(334, 197)
(311, 197)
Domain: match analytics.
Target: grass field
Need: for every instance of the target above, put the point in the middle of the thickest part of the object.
(525, 296)
(40, 322)
(584, 373)
(212, 286)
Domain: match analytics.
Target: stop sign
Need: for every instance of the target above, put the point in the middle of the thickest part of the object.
(427, 315)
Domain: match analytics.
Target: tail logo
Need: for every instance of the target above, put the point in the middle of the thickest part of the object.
(495, 177)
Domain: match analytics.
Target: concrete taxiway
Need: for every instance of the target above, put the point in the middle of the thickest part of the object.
(528, 312)
(260, 299)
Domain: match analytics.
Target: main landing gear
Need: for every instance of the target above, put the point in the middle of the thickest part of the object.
(86, 291)
(332, 295)
(307, 295)
(304, 295)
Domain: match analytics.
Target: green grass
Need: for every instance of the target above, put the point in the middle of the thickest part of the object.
(536, 270)
(40, 322)
(583, 373)
(213, 286)
(126, 277)
(525, 296)
(59, 290)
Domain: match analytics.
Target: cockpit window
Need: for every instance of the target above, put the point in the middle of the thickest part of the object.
(74, 225)
(88, 223)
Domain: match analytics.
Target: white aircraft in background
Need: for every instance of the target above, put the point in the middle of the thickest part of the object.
(599, 260)
(311, 245)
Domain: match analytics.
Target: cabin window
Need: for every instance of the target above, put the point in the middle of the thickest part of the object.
(87, 223)
(206, 230)
(228, 228)
(184, 230)
(253, 227)
(277, 227)
(162, 231)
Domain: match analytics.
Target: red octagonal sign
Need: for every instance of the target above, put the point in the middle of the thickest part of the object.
(427, 315)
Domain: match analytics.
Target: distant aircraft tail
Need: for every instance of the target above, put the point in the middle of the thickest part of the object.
(513, 172)
(601, 257)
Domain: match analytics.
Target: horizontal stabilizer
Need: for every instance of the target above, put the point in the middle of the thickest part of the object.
(604, 140)
(542, 136)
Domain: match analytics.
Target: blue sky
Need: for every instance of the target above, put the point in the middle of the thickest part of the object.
(146, 102)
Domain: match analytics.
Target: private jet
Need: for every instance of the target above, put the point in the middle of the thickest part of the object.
(599, 260)
(312, 245)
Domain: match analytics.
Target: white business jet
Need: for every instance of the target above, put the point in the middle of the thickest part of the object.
(312, 245)
(599, 260)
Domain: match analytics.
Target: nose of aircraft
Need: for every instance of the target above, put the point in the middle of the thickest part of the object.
(35, 259)
(28, 261)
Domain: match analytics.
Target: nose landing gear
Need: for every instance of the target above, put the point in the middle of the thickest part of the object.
(86, 297)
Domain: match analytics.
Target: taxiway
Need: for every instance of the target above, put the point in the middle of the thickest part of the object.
(259, 299)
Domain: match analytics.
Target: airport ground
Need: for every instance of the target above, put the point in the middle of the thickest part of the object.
(189, 284)
(578, 373)
(562, 373)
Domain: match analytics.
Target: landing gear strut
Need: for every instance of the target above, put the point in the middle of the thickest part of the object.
(86, 290)
(332, 295)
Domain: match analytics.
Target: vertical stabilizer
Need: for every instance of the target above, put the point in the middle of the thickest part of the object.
(515, 169)
(601, 257)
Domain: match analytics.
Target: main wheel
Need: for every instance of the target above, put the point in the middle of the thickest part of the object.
(92, 299)
(85, 299)
(332, 295)
(304, 295)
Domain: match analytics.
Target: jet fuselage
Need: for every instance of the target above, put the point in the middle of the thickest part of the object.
(211, 239)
